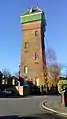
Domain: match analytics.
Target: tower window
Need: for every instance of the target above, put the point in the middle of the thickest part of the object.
(26, 45)
(13, 81)
(3, 81)
(36, 33)
(36, 56)
(25, 69)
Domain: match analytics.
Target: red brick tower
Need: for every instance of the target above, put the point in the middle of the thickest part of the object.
(33, 61)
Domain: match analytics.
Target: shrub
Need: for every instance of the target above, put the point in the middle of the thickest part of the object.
(62, 84)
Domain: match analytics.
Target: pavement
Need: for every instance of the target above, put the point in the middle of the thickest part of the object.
(55, 106)
(26, 108)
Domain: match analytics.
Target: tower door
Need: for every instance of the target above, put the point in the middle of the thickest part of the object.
(37, 81)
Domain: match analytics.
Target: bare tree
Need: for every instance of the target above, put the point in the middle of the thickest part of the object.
(50, 56)
(54, 73)
(6, 73)
(53, 69)
(16, 74)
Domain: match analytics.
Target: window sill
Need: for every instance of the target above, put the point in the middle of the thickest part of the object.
(36, 61)
(26, 50)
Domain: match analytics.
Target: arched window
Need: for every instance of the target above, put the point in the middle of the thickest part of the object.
(26, 45)
(25, 69)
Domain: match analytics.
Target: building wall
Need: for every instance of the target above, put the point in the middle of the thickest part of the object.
(35, 68)
(23, 90)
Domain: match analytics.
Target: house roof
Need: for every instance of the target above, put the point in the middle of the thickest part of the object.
(12, 77)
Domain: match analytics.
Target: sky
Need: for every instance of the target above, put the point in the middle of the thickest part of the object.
(11, 30)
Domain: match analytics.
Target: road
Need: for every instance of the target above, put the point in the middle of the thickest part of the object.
(25, 108)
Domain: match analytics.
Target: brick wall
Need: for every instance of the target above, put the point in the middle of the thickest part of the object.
(35, 69)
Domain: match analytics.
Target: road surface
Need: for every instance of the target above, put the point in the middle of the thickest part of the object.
(25, 108)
